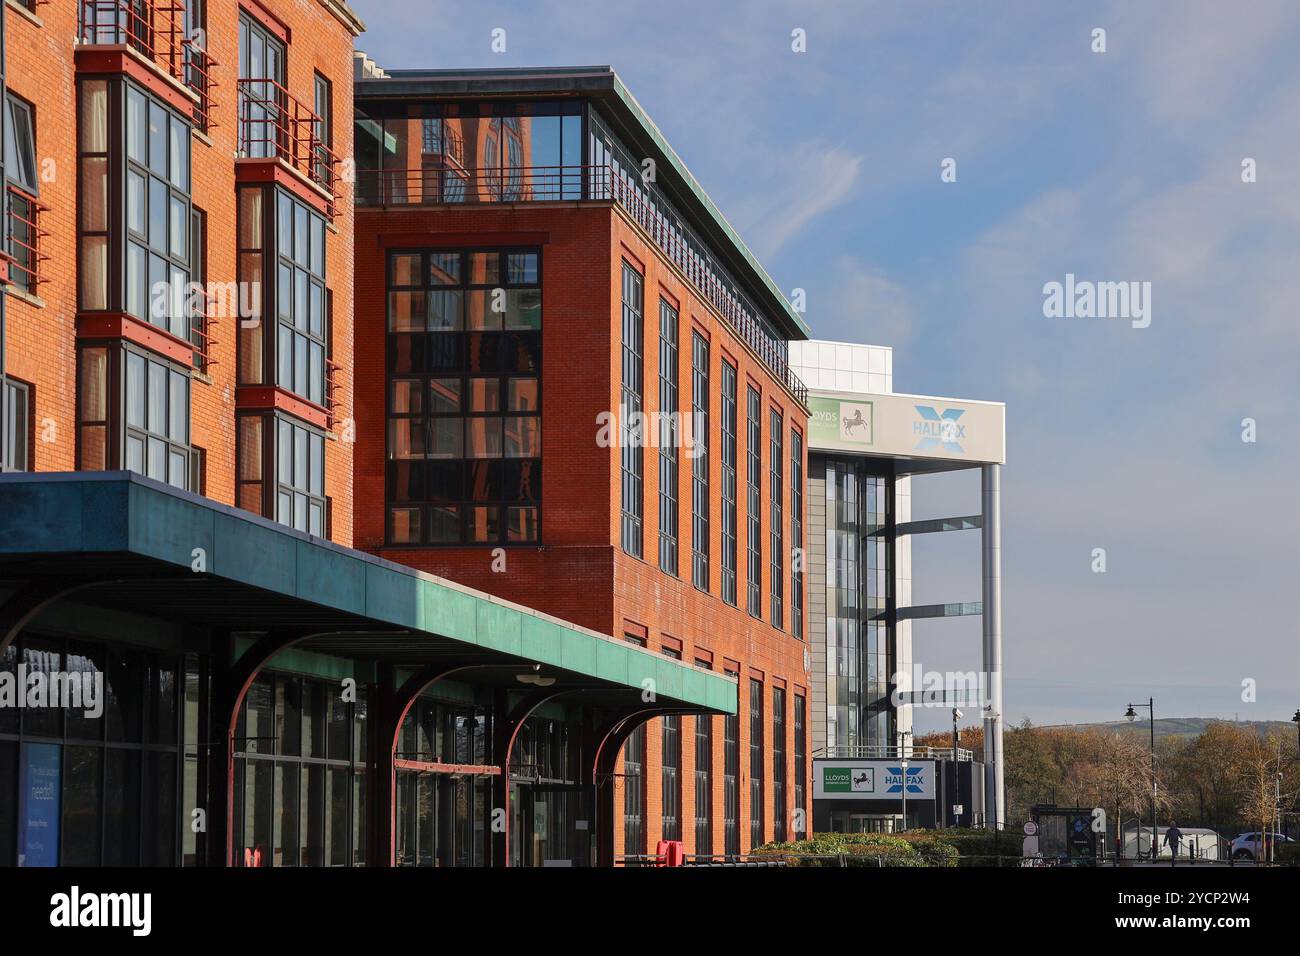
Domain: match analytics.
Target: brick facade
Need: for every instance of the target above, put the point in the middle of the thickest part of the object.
(41, 330)
(579, 570)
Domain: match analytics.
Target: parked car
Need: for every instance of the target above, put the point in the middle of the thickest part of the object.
(1250, 846)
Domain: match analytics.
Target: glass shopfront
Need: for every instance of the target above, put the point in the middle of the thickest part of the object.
(443, 815)
(92, 779)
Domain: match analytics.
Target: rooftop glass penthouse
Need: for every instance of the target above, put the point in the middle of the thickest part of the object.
(439, 137)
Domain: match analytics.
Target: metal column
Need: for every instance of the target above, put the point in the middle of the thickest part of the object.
(991, 555)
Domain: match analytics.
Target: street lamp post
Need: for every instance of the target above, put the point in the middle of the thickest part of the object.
(1131, 714)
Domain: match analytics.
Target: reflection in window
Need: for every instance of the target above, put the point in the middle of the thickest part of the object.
(464, 412)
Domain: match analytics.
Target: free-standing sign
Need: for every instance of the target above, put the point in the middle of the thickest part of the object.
(872, 779)
(39, 776)
(908, 426)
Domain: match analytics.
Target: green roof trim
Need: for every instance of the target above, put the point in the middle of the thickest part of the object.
(120, 513)
(679, 167)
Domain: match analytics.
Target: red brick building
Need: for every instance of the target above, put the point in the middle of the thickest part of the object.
(534, 265)
(564, 395)
(138, 139)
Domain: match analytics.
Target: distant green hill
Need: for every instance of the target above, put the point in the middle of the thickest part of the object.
(1184, 726)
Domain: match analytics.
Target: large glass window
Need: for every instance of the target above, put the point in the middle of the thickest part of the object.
(800, 765)
(133, 412)
(442, 818)
(668, 437)
(157, 419)
(300, 759)
(858, 655)
(262, 101)
(84, 789)
(700, 461)
(472, 152)
(776, 465)
(280, 471)
(778, 764)
(157, 213)
(755, 763)
(731, 783)
(133, 207)
(754, 459)
(15, 413)
(704, 785)
(729, 483)
(671, 777)
(299, 296)
(796, 534)
(634, 792)
(464, 397)
(23, 188)
(281, 243)
(630, 412)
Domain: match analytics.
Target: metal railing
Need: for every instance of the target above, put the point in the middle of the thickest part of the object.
(203, 320)
(274, 124)
(333, 386)
(25, 235)
(445, 183)
(886, 752)
(156, 30)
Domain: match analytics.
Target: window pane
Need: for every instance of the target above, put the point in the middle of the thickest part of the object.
(408, 397)
(406, 269)
(523, 395)
(406, 311)
(444, 395)
(405, 525)
(484, 268)
(484, 524)
(94, 196)
(523, 309)
(444, 525)
(135, 390)
(484, 438)
(484, 395)
(178, 410)
(445, 310)
(157, 138)
(157, 399)
(444, 268)
(523, 437)
(484, 310)
(446, 438)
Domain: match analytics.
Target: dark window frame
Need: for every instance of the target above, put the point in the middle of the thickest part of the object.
(754, 494)
(700, 461)
(776, 504)
(730, 478)
(778, 765)
(16, 416)
(756, 776)
(117, 429)
(423, 464)
(669, 434)
(631, 408)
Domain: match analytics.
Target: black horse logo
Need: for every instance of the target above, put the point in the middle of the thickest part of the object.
(857, 421)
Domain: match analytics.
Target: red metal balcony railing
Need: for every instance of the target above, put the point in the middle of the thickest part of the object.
(25, 235)
(203, 321)
(333, 387)
(274, 124)
(438, 183)
(156, 30)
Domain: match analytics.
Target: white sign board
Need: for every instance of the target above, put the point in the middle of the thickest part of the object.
(872, 779)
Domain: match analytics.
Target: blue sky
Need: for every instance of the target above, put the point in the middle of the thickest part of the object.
(1115, 166)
